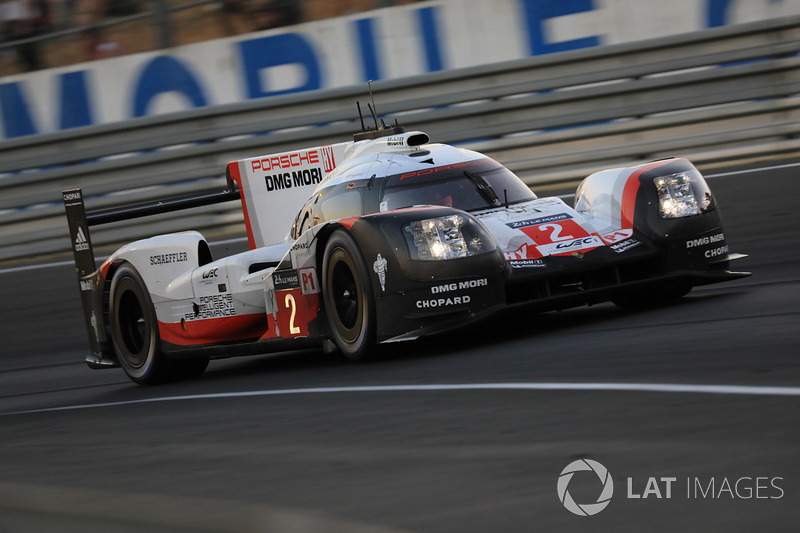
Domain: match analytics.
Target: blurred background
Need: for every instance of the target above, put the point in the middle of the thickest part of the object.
(39, 34)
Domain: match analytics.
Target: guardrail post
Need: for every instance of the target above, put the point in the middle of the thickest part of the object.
(162, 20)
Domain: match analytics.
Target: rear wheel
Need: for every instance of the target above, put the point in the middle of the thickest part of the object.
(134, 332)
(348, 297)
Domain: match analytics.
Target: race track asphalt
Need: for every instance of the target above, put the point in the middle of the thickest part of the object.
(413, 442)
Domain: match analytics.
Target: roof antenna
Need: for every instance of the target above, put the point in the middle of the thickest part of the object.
(361, 117)
(374, 108)
(381, 128)
(374, 116)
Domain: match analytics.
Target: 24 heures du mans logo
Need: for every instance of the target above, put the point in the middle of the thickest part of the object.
(663, 487)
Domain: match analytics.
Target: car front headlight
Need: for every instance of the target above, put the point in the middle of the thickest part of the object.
(683, 194)
(448, 237)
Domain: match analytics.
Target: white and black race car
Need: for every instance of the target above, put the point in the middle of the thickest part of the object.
(389, 238)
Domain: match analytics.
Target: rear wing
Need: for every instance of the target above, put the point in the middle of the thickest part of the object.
(275, 187)
(89, 278)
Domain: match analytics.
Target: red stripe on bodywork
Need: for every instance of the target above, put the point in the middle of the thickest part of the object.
(630, 191)
(233, 168)
(211, 330)
(348, 222)
(104, 268)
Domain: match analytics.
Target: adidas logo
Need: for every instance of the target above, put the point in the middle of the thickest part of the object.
(81, 243)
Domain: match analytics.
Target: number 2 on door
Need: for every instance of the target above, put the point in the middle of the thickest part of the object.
(291, 304)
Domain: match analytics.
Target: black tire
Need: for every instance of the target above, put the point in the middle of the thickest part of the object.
(652, 297)
(348, 297)
(134, 332)
(134, 329)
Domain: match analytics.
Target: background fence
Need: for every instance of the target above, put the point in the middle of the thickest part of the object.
(713, 96)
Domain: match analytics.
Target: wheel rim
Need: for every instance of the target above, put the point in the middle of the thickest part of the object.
(345, 295)
(132, 328)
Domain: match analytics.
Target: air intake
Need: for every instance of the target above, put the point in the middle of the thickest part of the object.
(417, 138)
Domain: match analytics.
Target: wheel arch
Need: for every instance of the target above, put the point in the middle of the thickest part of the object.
(365, 232)
(322, 237)
(349, 252)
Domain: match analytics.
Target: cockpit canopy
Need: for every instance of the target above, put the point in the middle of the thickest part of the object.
(472, 185)
(468, 186)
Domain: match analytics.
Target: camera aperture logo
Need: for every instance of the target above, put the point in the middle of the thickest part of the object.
(585, 509)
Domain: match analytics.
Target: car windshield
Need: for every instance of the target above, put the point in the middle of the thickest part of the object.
(469, 186)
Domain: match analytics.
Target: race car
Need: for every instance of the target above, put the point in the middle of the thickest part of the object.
(387, 238)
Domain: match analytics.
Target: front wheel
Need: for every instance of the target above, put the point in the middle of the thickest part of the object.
(348, 297)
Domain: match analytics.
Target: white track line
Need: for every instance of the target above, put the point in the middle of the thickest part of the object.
(36, 267)
(442, 387)
(748, 170)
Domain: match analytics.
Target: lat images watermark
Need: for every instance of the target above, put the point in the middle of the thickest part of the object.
(585, 509)
(664, 487)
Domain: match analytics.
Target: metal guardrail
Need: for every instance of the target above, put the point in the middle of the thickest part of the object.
(713, 96)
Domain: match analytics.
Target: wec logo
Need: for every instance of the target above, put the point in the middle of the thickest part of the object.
(586, 509)
(576, 243)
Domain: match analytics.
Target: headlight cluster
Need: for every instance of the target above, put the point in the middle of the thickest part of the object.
(683, 194)
(448, 237)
